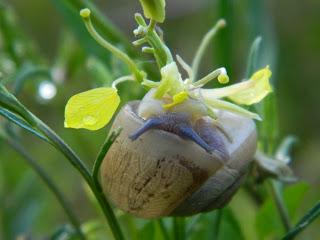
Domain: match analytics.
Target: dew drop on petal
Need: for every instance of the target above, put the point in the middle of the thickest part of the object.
(89, 120)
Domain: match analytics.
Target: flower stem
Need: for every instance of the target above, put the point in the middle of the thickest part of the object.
(163, 229)
(203, 46)
(60, 145)
(311, 215)
(217, 224)
(282, 210)
(85, 14)
(105, 148)
(50, 184)
(161, 51)
(179, 228)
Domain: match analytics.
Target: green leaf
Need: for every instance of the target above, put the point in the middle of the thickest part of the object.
(268, 222)
(21, 123)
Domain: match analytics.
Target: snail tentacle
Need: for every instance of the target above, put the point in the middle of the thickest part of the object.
(180, 125)
(149, 124)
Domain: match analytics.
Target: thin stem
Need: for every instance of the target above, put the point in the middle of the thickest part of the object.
(163, 229)
(216, 73)
(282, 210)
(203, 46)
(104, 149)
(50, 184)
(217, 223)
(60, 145)
(85, 14)
(122, 79)
(311, 215)
(161, 51)
(253, 57)
(179, 228)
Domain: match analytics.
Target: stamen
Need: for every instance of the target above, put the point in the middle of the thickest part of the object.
(220, 72)
(185, 66)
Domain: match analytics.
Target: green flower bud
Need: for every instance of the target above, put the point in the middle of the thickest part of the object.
(154, 9)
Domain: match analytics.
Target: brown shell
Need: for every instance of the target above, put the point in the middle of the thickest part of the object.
(161, 174)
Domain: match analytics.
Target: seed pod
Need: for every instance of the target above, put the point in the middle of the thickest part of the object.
(162, 174)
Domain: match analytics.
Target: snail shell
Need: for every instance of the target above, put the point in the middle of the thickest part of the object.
(161, 174)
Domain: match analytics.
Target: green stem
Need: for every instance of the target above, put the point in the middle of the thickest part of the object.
(304, 222)
(8, 101)
(179, 228)
(203, 46)
(253, 57)
(161, 51)
(85, 14)
(50, 184)
(163, 229)
(282, 210)
(60, 145)
(217, 224)
(105, 148)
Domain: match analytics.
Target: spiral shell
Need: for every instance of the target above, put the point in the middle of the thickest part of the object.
(161, 174)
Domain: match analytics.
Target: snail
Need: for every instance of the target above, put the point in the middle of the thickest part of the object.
(177, 162)
(183, 148)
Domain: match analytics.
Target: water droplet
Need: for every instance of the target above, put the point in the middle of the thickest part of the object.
(47, 90)
(89, 120)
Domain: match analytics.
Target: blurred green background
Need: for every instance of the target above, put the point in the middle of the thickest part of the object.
(291, 46)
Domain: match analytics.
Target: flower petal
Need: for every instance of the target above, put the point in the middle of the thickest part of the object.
(170, 81)
(257, 91)
(92, 109)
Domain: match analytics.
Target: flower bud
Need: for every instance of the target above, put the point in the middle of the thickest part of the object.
(154, 9)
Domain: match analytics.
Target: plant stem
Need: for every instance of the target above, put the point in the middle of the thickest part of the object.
(282, 210)
(163, 229)
(179, 228)
(115, 51)
(50, 184)
(105, 148)
(8, 101)
(60, 145)
(203, 46)
(304, 222)
(217, 224)
(253, 57)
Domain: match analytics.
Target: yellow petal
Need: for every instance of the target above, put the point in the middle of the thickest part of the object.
(178, 98)
(170, 80)
(259, 88)
(92, 109)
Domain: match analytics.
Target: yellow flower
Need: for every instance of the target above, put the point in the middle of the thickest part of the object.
(92, 109)
(246, 92)
(260, 87)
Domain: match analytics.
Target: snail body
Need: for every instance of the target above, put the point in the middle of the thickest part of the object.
(163, 174)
